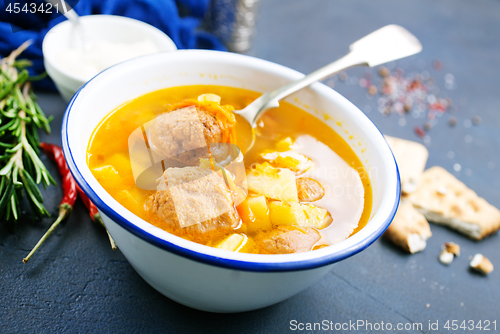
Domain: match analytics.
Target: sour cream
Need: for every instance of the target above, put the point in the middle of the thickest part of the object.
(344, 192)
(97, 56)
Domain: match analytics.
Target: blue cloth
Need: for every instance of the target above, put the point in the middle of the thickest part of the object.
(179, 19)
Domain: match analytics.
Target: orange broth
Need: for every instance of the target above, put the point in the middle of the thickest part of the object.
(108, 156)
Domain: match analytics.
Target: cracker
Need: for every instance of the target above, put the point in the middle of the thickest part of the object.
(409, 229)
(411, 158)
(444, 200)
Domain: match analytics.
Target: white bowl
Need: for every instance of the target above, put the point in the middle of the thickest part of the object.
(200, 276)
(97, 27)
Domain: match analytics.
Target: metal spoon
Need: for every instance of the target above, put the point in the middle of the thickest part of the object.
(66, 10)
(72, 16)
(381, 46)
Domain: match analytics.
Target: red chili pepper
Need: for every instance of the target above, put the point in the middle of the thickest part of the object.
(69, 191)
(94, 213)
(69, 185)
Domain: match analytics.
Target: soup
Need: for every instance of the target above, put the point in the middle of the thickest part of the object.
(303, 187)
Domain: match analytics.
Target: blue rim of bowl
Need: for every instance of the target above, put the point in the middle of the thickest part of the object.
(211, 259)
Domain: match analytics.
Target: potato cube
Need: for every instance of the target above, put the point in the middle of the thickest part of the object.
(233, 243)
(296, 162)
(109, 174)
(260, 211)
(315, 216)
(249, 247)
(273, 183)
(245, 213)
(294, 213)
(131, 196)
(286, 213)
(287, 162)
(209, 98)
(255, 214)
(284, 144)
(121, 163)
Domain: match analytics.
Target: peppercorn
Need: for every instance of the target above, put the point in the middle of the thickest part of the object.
(384, 72)
(452, 121)
(438, 65)
(419, 131)
(407, 107)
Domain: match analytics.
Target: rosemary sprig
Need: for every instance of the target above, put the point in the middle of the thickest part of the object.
(20, 118)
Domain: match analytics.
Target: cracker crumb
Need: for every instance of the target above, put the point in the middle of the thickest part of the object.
(452, 247)
(481, 264)
(445, 257)
(372, 90)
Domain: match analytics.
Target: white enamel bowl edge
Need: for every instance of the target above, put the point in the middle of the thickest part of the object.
(199, 276)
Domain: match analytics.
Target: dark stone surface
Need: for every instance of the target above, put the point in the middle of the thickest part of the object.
(75, 283)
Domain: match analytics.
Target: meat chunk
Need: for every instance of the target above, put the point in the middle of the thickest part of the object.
(309, 190)
(184, 134)
(288, 239)
(194, 199)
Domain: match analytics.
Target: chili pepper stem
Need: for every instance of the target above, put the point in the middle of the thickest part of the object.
(64, 211)
(97, 218)
(111, 241)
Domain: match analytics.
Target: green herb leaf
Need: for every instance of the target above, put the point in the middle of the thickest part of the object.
(21, 170)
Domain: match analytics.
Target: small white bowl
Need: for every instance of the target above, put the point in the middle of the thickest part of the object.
(97, 27)
(199, 276)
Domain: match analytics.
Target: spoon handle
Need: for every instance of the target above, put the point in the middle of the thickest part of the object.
(271, 99)
(383, 45)
(66, 10)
